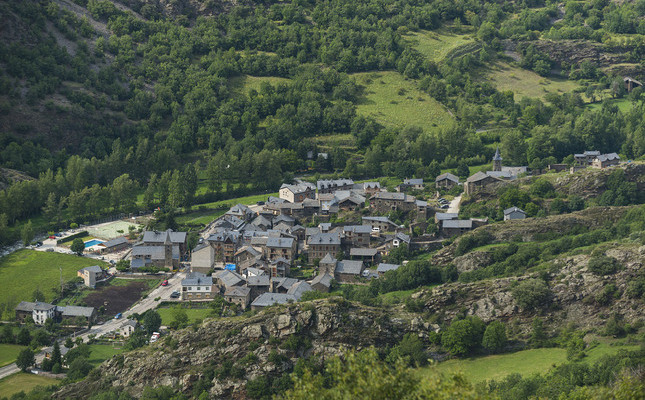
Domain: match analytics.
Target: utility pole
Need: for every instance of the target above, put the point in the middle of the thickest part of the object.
(61, 280)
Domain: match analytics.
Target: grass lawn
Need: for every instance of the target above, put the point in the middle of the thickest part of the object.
(242, 84)
(524, 362)
(23, 382)
(43, 272)
(200, 217)
(623, 105)
(193, 314)
(394, 101)
(436, 45)
(397, 297)
(9, 353)
(525, 83)
(102, 352)
(247, 200)
(345, 141)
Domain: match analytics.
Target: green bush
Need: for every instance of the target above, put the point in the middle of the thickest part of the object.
(463, 336)
(495, 336)
(603, 265)
(532, 293)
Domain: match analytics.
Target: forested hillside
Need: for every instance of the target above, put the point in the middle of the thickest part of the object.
(122, 106)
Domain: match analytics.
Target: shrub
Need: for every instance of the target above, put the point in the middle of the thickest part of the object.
(463, 336)
(532, 293)
(495, 336)
(603, 265)
(411, 350)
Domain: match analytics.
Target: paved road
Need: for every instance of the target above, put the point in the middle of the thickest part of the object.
(163, 292)
(454, 205)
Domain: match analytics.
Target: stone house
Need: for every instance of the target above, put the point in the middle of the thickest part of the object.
(91, 275)
(280, 247)
(239, 295)
(197, 286)
(408, 184)
(322, 244)
(383, 223)
(225, 243)
(357, 235)
(605, 160)
(446, 181)
(202, 258)
(514, 213)
(348, 270)
(478, 181)
(331, 186)
(322, 282)
(297, 193)
(456, 227)
(369, 188)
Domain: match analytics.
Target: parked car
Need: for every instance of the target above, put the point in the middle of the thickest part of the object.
(445, 206)
(49, 250)
(118, 316)
(164, 283)
(260, 203)
(174, 295)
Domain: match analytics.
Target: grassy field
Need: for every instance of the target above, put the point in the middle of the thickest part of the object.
(23, 382)
(394, 101)
(525, 83)
(41, 268)
(524, 362)
(345, 141)
(194, 314)
(247, 200)
(9, 353)
(242, 84)
(102, 352)
(200, 217)
(436, 45)
(623, 105)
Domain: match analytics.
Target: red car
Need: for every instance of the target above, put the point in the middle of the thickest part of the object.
(164, 283)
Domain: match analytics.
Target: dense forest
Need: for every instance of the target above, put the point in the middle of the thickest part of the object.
(123, 106)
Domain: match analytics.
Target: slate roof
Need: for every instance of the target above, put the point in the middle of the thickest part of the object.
(76, 311)
(250, 249)
(379, 219)
(223, 236)
(497, 156)
(94, 268)
(298, 188)
(371, 185)
(251, 271)
(513, 209)
(312, 231)
(448, 176)
(357, 229)
(238, 291)
(477, 176)
(160, 237)
(349, 267)
(446, 216)
(285, 283)
(362, 252)
(325, 238)
(403, 237)
(200, 247)
(197, 278)
(269, 299)
(458, 223)
(413, 181)
(40, 306)
(283, 243)
(608, 157)
(155, 252)
(384, 267)
(328, 259)
(299, 288)
(228, 278)
(115, 242)
(25, 306)
(262, 280)
(283, 218)
(322, 279)
(328, 184)
(390, 196)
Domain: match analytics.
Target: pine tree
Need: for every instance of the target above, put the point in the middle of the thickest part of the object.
(56, 356)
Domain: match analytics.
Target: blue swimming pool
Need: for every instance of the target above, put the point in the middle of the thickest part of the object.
(92, 242)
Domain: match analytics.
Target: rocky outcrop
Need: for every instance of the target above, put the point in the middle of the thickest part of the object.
(321, 328)
(575, 291)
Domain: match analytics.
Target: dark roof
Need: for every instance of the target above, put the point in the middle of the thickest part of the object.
(197, 278)
(76, 311)
(390, 196)
(115, 242)
(497, 156)
(228, 278)
(362, 252)
(357, 228)
(298, 288)
(25, 306)
(269, 299)
(349, 267)
(328, 259)
(238, 291)
(160, 237)
(446, 216)
(40, 306)
(608, 157)
(413, 181)
(325, 238)
(379, 219)
(93, 268)
(322, 279)
(383, 267)
(262, 280)
(327, 184)
(448, 176)
(513, 209)
(477, 176)
(458, 223)
(280, 242)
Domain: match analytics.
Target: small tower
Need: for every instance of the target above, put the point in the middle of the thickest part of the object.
(168, 250)
(497, 161)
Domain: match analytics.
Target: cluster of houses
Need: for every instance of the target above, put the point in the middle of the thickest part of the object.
(40, 312)
(159, 249)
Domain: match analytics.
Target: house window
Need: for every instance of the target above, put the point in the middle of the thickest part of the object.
(190, 288)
